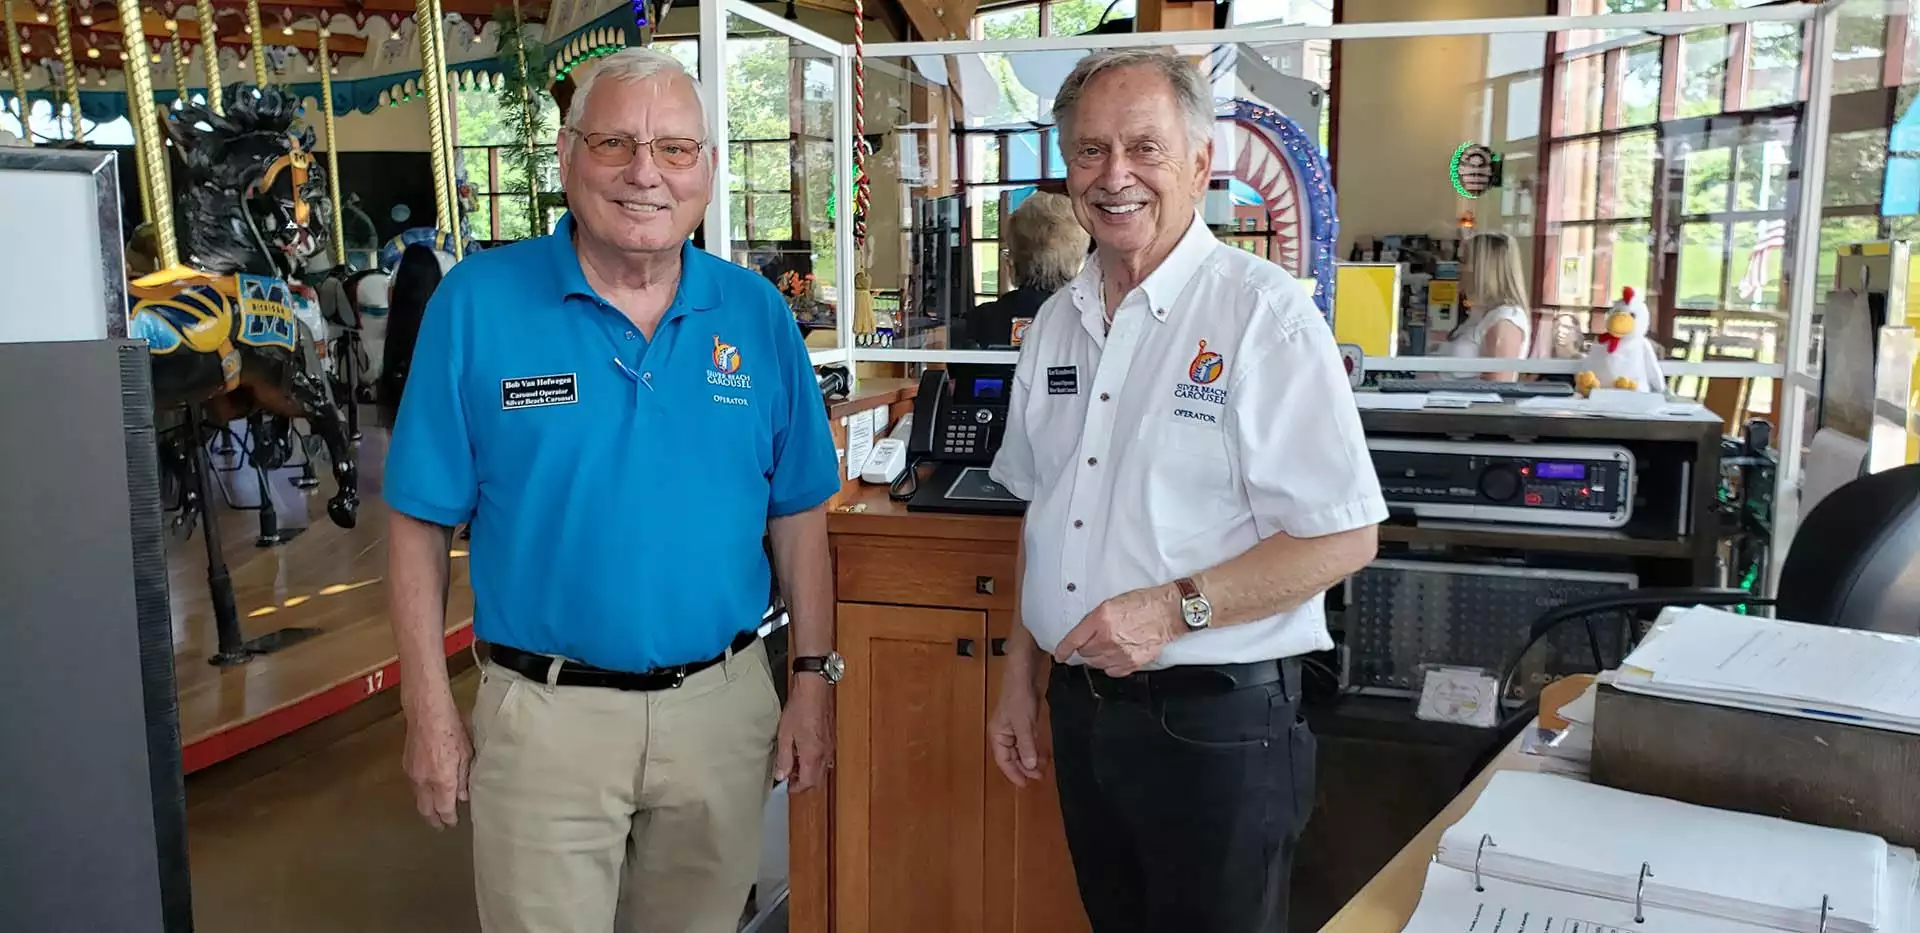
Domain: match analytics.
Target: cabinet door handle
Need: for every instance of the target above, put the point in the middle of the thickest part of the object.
(963, 647)
(999, 647)
(983, 585)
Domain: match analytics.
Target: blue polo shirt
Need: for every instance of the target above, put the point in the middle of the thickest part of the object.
(619, 488)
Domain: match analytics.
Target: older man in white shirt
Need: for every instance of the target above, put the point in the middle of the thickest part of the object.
(1183, 429)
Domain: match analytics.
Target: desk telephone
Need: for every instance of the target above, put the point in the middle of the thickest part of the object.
(959, 420)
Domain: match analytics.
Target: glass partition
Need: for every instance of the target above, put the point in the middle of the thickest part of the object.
(784, 147)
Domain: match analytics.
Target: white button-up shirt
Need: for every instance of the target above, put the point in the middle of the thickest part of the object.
(1215, 414)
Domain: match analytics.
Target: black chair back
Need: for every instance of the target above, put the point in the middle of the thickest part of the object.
(1855, 559)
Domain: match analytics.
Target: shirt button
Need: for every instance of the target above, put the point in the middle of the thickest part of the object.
(1105, 397)
(1069, 587)
(1093, 461)
(1077, 523)
(631, 335)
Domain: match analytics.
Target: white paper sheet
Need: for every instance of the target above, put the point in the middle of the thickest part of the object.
(859, 441)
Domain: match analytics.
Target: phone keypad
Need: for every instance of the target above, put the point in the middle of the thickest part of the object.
(961, 439)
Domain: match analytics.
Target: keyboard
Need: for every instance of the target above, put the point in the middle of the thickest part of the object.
(1502, 389)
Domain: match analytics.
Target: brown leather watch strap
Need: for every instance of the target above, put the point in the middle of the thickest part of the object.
(1188, 588)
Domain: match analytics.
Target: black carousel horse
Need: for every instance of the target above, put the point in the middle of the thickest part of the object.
(230, 338)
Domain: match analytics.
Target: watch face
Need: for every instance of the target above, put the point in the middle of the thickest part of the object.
(1197, 612)
(836, 668)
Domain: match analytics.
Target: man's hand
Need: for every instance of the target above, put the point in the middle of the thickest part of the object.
(1011, 731)
(804, 750)
(436, 760)
(1125, 633)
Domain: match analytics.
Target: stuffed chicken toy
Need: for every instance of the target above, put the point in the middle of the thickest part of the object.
(1623, 357)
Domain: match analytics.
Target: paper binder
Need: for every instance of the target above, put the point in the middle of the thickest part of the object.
(1543, 852)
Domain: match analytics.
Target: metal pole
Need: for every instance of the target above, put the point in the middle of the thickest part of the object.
(432, 81)
(17, 67)
(1800, 303)
(259, 43)
(148, 146)
(69, 71)
(178, 51)
(210, 50)
(333, 151)
(447, 134)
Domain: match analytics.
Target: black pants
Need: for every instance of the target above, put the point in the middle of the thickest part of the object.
(1182, 811)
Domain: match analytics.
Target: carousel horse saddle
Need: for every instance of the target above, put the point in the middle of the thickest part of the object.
(198, 317)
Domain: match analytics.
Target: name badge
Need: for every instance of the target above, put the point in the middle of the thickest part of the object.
(539, 391)
(1063, 380)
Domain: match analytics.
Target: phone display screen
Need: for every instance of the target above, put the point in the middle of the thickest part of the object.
(986, 388)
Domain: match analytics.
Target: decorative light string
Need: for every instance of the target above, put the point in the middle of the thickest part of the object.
(18, 68)
(639, 13)
(69, 74)
(210, 48)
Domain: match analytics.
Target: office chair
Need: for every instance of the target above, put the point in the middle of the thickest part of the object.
(1854, 562)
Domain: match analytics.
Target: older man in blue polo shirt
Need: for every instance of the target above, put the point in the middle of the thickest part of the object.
(623, 419)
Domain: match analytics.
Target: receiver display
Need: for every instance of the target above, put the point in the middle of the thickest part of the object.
(1551, 470)
(985, 388)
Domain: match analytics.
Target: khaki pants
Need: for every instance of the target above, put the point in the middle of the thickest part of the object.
(586, 800)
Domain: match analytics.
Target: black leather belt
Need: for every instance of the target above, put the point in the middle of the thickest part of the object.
(535, 667)
(1185, 680)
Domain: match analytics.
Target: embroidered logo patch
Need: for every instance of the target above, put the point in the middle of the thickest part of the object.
(539, 391)
(726, 368)
(1206, 366)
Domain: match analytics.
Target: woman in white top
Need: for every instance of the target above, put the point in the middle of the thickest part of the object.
(1498, 323)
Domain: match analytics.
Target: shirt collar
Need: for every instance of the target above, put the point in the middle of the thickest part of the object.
(1164, 285)
(699, 286)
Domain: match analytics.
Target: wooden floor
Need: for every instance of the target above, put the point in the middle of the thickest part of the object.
(325, 578)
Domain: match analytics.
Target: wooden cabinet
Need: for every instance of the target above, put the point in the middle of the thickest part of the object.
(917, 829)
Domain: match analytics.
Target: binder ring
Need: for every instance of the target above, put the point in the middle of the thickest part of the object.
(1824, 903)
(1640, 894)
(1485, 841)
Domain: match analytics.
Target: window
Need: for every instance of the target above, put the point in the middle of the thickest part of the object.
(484, 149)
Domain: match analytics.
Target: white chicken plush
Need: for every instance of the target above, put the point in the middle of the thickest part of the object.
(1623, 357)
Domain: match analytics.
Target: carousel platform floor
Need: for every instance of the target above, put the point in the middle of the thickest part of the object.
(327, 579)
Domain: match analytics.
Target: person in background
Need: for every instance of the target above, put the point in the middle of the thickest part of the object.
(1183, 429)
(625, 419)
(1046, 246)
(1499, 322)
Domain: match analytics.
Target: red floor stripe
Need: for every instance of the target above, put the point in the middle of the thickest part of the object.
(253, 733)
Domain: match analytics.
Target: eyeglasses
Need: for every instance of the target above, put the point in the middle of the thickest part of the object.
(616, 151)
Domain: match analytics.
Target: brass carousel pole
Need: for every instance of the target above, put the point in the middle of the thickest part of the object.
(433, 81)
(177, 50)
(146, 131)
(210, 50)
(142, 171)
(17, 67)
(333, 151)
(447, 87)
(69, 72)
(259, 43)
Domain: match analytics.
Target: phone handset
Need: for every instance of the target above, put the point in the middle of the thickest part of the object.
(929, 409)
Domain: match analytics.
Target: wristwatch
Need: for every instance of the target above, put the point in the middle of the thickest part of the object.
(1194, 608)
(831, 666)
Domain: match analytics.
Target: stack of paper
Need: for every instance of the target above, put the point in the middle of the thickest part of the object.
(1558, 854)
(1847, 675)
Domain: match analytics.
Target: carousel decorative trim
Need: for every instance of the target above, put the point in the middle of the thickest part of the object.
(1284, 165)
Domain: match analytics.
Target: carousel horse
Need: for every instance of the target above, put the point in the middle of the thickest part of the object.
(227, 332)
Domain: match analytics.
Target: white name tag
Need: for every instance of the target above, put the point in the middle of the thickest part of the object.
(539, 391)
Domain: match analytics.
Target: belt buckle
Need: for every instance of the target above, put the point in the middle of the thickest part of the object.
(679, 677)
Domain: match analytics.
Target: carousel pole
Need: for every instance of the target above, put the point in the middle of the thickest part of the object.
(433, 80)
(211, 50)
(142, 172)
(17, 67)
(177, 50)
(259, 43)
(69, 72)
(333, 151)
(148, 148)
(447, 87)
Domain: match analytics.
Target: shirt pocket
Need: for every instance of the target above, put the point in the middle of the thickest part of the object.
(1191, 490)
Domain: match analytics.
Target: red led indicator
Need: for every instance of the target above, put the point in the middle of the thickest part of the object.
(1533, 498)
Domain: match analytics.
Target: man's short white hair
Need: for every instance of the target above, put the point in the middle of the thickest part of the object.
(630, 64)
(1190, 89)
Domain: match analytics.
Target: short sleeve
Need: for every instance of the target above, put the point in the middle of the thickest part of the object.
(1013, 465)
(430, 472)
(1297, 434)
(806, 471)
